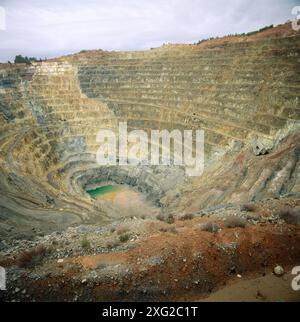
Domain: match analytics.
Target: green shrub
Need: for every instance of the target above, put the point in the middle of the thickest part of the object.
(85, 243)
(124, 237)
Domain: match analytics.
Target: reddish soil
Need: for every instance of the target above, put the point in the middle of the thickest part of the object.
(186, 264)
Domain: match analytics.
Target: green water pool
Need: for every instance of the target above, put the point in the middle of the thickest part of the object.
(100, 191)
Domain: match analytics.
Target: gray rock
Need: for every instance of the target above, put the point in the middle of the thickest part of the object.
(261, 146)
(278, 270)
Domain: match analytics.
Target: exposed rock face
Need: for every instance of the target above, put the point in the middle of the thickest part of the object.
(260, 147)
(234, 89)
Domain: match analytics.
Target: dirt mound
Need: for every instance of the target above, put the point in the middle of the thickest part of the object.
(178, 262)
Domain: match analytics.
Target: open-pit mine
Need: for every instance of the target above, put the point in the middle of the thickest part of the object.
(74, 230)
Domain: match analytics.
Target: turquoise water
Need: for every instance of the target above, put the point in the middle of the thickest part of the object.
(100, 191)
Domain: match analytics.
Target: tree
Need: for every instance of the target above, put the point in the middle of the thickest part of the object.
(19, 59)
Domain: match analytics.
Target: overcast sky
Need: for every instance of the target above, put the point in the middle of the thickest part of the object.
(55, 27)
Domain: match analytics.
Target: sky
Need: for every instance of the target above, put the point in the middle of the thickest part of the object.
(57, 27)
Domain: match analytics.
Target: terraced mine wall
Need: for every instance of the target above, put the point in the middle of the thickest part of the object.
(239, 91)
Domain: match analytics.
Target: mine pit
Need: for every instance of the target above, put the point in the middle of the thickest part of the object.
(125, 200)
(74, 230)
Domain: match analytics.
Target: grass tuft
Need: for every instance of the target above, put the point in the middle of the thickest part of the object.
(169, 219)
(85, 243)
(248, 207)
(290, 216)
(31, 258)
(124, 237)
(209, 227)
(186, 217)
(234, 221)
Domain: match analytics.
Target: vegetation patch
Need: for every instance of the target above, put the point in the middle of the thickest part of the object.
(290, 216)
(33, 257)
(248, 207)
(209, 227)
(85, 243)
(124, 237)
(235, 221)
(186, 217)
(169, 219)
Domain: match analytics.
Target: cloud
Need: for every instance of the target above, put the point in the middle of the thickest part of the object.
(52, 28)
